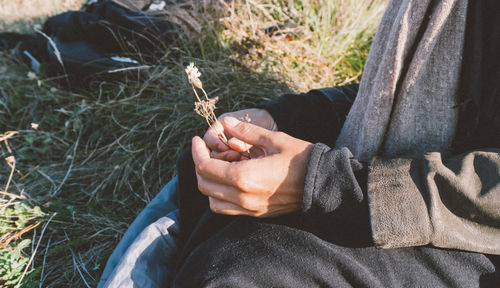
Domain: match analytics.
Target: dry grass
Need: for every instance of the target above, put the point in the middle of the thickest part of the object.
(99, 156)
(23, 14)
(324, 42)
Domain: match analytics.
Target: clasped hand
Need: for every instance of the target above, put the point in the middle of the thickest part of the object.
(268, 184)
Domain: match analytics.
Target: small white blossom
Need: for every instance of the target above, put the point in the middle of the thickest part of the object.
(31, 75)
(10, 160)
(34, 126)
(193, 75)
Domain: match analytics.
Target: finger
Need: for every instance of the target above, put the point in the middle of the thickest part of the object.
(212, 169)
(212, 138)
(229, 155)
(247, 133)
(219, 191)
(247, 201)
(228, 193)
(227, 208)
(199, 150)
(238, 145)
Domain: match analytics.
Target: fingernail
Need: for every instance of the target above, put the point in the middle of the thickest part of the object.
(231, 122)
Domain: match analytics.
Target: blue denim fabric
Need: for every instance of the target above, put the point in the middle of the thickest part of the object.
(146, 253)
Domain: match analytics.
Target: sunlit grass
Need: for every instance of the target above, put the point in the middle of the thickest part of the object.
(21, 15)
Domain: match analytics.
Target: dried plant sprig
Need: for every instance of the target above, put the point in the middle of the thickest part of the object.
(205, 108)
(194, 75)
(248, 120)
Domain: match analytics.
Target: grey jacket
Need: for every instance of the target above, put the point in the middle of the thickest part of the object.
(448, 203)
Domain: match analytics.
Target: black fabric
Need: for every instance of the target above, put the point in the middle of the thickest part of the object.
(263, 253)
(336, 199)
(85, 41)
(9, 40)
(35, 44)
(82, 59)
(325, 192)
(113, 29)
(192, 204)
(316, 116)
(479, 121)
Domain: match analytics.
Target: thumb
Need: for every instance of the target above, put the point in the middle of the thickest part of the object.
(246, 132)
(199, 150)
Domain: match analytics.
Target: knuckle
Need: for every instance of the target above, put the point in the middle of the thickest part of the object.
(214, 206)
(197, 169)
(259, 214)
(268, 138)
(244, 128)
(278, 137)
(246, 203)
(236, 177)
(240, 182)
(201, 168)
(280, 134)
(201, 185)
(265, 140)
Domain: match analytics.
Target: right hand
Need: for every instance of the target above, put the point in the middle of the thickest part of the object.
(265, 186)
(233, 152)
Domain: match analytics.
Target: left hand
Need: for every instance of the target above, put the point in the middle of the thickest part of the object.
(260, 187)
(235, 149)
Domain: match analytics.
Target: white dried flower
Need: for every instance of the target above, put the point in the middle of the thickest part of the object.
(205, 108)
(10, 160)
(31, 75)
(193, 75)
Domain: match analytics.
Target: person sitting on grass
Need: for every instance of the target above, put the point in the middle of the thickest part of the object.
(408, 196)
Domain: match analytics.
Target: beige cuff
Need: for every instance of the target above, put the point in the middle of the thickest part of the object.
(398, 211)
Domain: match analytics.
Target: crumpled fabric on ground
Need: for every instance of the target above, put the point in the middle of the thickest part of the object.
(155, 226)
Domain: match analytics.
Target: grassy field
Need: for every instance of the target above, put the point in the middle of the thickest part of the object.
(76, 167)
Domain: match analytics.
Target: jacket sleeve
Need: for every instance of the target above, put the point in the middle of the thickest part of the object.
(335, 196)
(315, 116)
(452, 203)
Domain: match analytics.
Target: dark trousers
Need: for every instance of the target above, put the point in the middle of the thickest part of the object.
(283, 252)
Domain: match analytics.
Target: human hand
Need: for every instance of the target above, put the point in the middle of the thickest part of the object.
(260, 187)
(235, 147)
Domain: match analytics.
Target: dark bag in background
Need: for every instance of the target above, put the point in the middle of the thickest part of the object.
(104, 40)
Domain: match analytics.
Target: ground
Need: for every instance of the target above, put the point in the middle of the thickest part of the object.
(76, 167)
